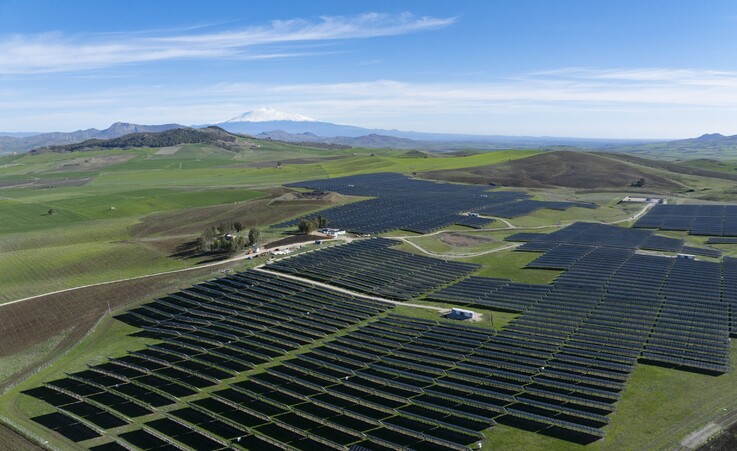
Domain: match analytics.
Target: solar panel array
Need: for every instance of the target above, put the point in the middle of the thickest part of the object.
(729, 290)
(435, 383)
(594, 234)
(370, 266)
(712, 220)
(672, 311)
(705, 252)
(418, 205)
(579, 236)
(474, 222)
(210, 333)
(525, 236)
(496, 294)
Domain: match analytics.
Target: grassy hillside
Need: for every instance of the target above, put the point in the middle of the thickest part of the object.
(678, 168)
(559, 168)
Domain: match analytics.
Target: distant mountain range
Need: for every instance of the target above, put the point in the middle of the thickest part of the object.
(23, 142)
(268, 123)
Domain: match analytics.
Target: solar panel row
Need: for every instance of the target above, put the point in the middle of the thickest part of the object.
(593, 234)
(710, 220)
(497, 294)
(371, 266)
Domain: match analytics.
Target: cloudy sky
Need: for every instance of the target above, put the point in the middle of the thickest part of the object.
(618, 68)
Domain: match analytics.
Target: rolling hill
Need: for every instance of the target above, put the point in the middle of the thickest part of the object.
(558, 168)
(210, 135)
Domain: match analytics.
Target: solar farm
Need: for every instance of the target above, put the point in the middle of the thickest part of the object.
(261, 361)
(349, 345)
(420, 206)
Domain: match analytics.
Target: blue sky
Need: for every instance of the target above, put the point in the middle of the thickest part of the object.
(619, 69)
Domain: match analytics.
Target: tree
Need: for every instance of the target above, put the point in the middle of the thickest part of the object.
(223, 228)
(253, 236)
(238, 226)
(320, 222)
(306, 226)
(234, 246)
(51, 211)
(202, 244)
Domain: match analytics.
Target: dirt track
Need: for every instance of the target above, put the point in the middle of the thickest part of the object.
(11, 440)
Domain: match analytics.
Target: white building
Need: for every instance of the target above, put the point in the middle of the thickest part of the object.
(651, 200)
(333, 232)
(457, 313)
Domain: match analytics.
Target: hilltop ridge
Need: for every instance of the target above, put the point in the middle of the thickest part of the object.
(209, 135)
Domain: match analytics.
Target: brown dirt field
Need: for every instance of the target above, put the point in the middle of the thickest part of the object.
(326, 196)
(463, 240)
(296, 239)
(255, 213)
(11, 440)
(28, 323)
(559, 168)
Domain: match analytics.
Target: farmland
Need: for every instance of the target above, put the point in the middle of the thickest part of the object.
(359, 326)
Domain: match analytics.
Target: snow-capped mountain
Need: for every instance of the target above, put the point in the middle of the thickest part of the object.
(270, 115)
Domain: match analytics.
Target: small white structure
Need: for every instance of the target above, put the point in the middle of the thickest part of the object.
(473, 215)
(282, 252)
(686, 256)
(643, 200)
(458, 313)
(333, 232)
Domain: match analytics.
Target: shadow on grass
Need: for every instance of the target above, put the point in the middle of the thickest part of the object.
(550, 431)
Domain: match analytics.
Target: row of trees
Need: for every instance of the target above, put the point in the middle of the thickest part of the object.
(221, 240)
(307, 226)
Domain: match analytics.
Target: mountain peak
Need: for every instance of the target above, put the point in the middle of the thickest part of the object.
(710, 136)
(270, 114)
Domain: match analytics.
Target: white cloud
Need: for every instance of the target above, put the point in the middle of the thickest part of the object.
(54, 52)
(567, 102)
